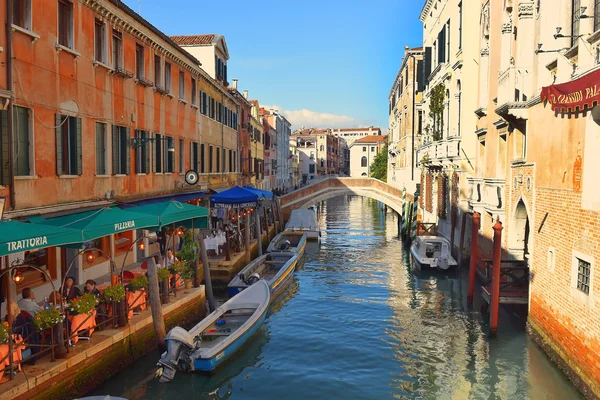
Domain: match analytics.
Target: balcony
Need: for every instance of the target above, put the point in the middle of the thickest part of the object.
(487, 194)
(436, 153)
(513, 86)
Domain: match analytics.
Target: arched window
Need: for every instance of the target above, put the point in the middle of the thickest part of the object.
(363, 161)
(322, 148)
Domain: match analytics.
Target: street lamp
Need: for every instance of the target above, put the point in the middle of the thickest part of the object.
(140, 141)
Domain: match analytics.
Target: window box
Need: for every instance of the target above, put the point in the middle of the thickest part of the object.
(60, 47)
(101, 64)
(34, 36)
(144, 82)
(123, 72)
(161, 90)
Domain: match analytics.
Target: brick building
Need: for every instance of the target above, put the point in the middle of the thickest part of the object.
(100, 106)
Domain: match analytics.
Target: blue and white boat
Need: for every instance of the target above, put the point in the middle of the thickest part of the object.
(217, 337)
(288, 242)
(276, 269)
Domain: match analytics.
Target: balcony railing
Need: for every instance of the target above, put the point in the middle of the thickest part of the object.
(442, 150)
(487, 193)
(513, 87)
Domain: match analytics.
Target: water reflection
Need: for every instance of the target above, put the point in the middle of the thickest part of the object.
(356, 323)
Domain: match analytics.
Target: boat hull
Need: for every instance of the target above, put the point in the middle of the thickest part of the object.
(277, 283)
(211, 364)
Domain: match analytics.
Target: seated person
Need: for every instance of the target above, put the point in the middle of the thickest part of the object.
(28, 304)
(70, 291)
(90, 287)
(23, 325)
(55, 299)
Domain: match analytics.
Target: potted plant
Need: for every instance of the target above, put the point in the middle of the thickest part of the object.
(163, 273)
(4, 332)
(188, 276)
(114, 293)
(47, 318)
(141, 282)
(83, 304)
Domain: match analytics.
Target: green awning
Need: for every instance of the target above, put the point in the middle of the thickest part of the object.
(16, 236)
(103, 222)
(174, 212)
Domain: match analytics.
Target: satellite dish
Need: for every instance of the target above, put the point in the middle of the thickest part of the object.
(191, 177)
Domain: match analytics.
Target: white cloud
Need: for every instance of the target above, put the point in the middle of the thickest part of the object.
(312, 119)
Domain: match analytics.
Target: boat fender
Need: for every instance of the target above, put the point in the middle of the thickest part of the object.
(252, 279)
(442, 263)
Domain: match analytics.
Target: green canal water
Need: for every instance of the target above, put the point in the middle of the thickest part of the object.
(356, 323)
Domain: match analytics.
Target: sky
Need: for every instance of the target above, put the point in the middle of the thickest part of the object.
(325, 64)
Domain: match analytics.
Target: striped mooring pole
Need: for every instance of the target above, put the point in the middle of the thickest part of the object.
(415, 210)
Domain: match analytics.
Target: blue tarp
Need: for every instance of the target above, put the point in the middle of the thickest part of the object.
(236, 197)
(267, 195)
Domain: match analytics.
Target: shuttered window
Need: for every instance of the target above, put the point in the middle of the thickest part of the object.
(212, 107)
(181, 156)
(142, 153)
(202, 158)
(210, 159)
(4, 153)
(158, 160)
(231, 161)
(218, 159)
(120, 150)
(170, 156)
(101, 149)
(204, 103)
(68, 145)
(194, 156)
(23, 149)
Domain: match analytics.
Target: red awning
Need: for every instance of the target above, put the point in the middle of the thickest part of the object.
(574, 95)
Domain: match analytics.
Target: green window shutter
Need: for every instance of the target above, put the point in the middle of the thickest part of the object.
(153, 152)
(79, 147)
(127, 149)
(115, 150)
(4, 154)
(138, 153)
(147, 153)
(59, 144)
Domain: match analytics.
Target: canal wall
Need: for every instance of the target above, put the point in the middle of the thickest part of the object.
(109, 352)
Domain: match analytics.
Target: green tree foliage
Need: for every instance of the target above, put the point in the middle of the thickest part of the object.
(436, 109)
(379, 166)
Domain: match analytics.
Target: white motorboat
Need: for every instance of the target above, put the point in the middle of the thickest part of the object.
(288, 242)
(304, 221)
(433, 252)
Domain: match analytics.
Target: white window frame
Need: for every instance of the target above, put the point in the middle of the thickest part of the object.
(158, 72)
(31, 149)
(28, 27)
(181, 85)
(117, 36)
(168, 76)
(581, 297)
(194, 85)
(71, 28)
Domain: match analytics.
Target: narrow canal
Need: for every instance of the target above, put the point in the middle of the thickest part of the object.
(357, 324)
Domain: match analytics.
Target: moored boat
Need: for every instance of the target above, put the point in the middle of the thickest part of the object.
(304, 221)
(275, 268)
(217, 337)
(433, 252)
(288, 242)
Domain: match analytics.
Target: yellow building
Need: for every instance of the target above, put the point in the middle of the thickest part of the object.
(257, 147)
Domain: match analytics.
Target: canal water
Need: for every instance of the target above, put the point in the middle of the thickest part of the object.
(358, 324)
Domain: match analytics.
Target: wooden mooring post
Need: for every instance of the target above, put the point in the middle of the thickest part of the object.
(495, 298)
(207, 280)
(155, 305)
(473, 265)
(247, 237)
(258, 234)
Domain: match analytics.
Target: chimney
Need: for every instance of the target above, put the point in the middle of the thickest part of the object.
(406, 50)
(246, 94)
(234, 80)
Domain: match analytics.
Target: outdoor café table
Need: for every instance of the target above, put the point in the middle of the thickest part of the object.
(137, 272)
(82, 322)
(135, 299)
(177, 282)
(17, 354)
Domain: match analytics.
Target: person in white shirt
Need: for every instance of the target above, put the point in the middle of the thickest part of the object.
(27, 303)
(170, 258)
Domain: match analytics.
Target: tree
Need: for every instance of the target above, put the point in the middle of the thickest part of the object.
(379, 166)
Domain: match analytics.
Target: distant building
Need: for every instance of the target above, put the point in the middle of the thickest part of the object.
(210, 50)
(283, 162)
(362, 154)
(352, 134)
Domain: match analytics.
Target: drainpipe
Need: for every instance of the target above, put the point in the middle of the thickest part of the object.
(412, 158)
(9, 87)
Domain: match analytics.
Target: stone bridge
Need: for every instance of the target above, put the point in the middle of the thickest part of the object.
(334, 186)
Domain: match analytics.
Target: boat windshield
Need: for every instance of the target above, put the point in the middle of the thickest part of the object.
(433, 249)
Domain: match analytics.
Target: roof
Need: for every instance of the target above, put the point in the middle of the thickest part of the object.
(194, 40)
(372, 139)
(372, 128)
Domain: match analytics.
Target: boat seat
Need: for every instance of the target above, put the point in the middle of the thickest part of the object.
(216, 333)
(238, 315)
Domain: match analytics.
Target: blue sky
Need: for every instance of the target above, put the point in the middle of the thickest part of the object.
(325, 63)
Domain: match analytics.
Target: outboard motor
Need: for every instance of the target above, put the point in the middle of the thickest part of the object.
(180, 345)
(252, 279)
(285, 245)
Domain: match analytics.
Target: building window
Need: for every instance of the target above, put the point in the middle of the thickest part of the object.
(117, 50)
(210, 159)
(120, 150)
(460, 21)
(234, 161)
(583, 275)
(23, 142)
(159, 156)
(194, 92)
(372, 149)
(575, 14)
(202, 158)
(181, 156)
(364, 148)
(157, 71)
(218, 160)
(212, 108)
(204, 101)
(231, 161)
(219, 109)
(22, 13)
(181, 85)
(142, 153)
(101, 149)
(596, 15)
(139, 61)
(194, 156)
(223, 160)
(100, 41)
(65, 24)
(168, 77)
(170, 165)
(68, 145)
(363, 161)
